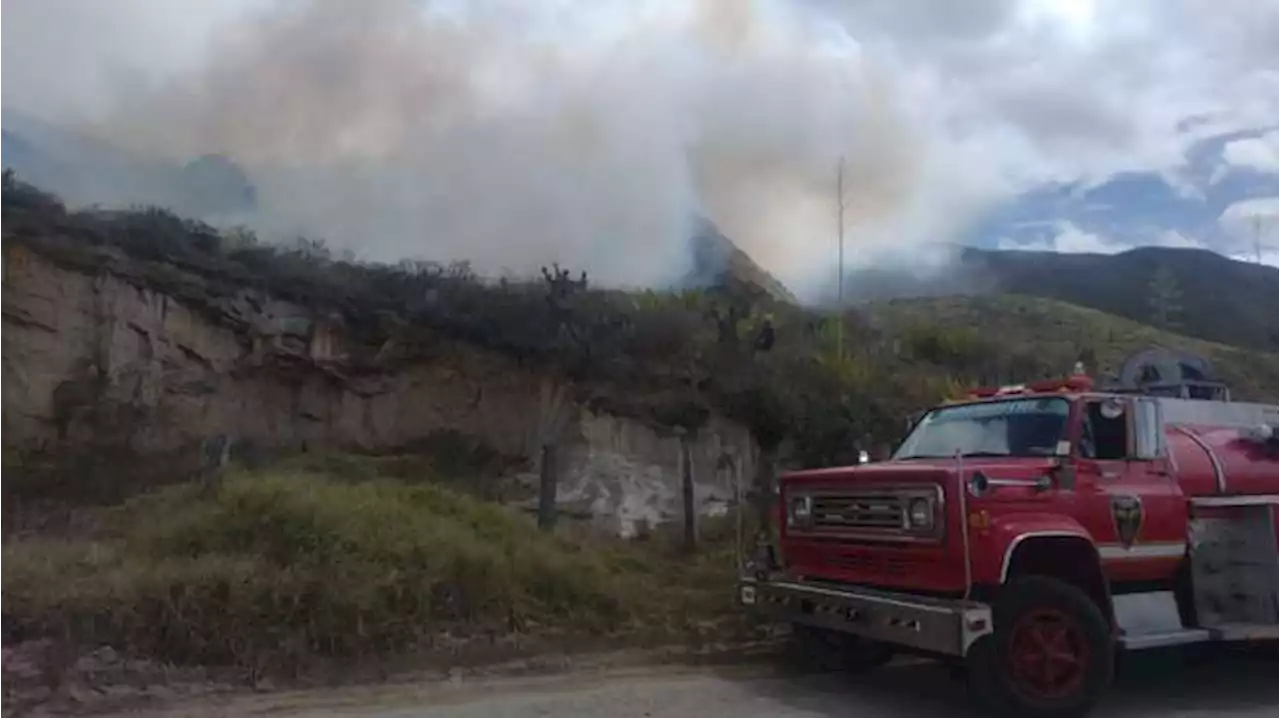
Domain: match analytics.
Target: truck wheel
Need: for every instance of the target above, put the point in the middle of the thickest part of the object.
(980, 678)
(825, 650)
(1050, 656)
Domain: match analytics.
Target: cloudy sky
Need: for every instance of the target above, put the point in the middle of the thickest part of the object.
(586, 131)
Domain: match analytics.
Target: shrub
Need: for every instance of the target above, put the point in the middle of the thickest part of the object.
(279, 568)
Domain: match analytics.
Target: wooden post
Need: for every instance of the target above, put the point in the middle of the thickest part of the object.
(690, 508)
(553, 415)
(840, 207)
(764, 493)
(547, 488)
(739, 532)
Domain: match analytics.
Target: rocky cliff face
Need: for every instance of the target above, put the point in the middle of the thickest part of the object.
(100, 357)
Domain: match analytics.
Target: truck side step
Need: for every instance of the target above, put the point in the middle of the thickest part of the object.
(1147, 613)
(1245, 631)
(1141, 641)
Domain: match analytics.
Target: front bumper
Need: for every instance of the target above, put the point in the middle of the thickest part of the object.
(941, 626)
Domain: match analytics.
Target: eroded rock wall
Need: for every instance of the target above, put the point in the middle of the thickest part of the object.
(629, 473)
(100, 357)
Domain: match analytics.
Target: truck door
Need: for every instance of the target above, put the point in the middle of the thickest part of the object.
(1135, 509)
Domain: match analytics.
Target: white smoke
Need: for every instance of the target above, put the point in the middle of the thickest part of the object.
(515, 134)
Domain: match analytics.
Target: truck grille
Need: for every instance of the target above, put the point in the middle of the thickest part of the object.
(859, 511)
(895, 566)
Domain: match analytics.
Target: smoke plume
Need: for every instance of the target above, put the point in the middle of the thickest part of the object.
(515, 134)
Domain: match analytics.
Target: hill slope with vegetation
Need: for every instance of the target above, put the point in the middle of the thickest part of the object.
(285, 565)
(1055, 335)
(1193, 292)
(671, 356)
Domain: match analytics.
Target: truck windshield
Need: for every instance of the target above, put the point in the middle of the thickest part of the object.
(1012, 427)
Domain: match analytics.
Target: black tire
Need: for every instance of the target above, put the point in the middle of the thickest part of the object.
(980, 679)
(1062, 680)
(826, 651)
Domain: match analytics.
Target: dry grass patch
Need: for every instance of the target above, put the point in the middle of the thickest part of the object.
(279, 568)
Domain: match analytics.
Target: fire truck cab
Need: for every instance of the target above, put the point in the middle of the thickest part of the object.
(1030, 533)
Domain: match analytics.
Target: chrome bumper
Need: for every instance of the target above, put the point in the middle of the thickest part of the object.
(942, 626)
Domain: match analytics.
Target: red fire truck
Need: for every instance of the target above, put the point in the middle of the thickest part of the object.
(1031, 533)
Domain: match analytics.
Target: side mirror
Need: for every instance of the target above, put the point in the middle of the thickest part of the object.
(1112, 409)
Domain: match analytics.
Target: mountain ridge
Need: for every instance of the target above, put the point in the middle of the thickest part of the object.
(1213, 297)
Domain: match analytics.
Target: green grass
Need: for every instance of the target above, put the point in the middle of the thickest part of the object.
(1056, 332)
(279, 568)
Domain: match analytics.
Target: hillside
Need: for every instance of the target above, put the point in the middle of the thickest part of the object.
(1221, 299)
(379, 417)
(1210, 296)
(671, 359)
(718, 262)
(1058, 334)
(287, 346)
(674, 359)
(136, 340)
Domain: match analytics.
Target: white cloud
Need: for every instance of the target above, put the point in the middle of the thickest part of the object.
(1243, 212)
(1064, 90)
(1177, 240)
(1071, 239)
(1068, 238)
(1252, 230)
(1259, 153)
(1266, 255)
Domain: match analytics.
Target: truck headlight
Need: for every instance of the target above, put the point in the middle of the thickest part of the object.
(800, 511)
(920, 514)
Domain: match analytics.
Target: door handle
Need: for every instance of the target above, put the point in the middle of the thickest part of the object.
(1110, 475)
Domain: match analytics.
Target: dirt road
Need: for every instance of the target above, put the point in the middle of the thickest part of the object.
(1235, 687)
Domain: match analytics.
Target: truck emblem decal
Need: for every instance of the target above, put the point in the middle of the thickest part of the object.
(1127, 513)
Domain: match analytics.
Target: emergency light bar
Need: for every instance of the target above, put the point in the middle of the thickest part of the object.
(1047, 386)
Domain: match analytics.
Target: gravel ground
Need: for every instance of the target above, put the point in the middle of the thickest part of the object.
(1162, 686)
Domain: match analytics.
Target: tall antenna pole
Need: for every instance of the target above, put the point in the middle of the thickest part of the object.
(840, 260)
(1257, 237)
